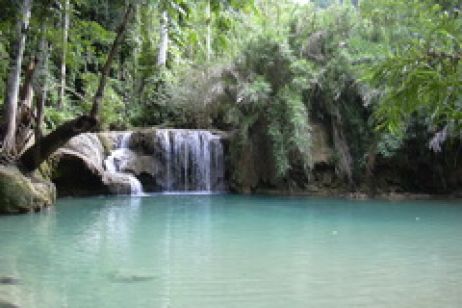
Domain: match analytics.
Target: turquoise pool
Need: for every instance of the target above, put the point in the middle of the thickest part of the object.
(233, 251)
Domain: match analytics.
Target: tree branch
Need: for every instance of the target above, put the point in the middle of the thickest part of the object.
(41, 150)
(97, 99)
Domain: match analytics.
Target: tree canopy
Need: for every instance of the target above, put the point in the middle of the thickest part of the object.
(373, 69)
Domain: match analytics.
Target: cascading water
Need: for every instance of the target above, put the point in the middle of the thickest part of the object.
(114, 163)
(193, 160)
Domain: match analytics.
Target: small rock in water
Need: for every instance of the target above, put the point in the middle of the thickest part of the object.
(5, 304)
(9, 281)
(130, 278)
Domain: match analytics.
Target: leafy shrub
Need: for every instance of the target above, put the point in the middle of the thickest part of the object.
(268, 82)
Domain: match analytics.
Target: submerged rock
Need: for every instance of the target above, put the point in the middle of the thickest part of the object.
(5, 304)
(9, 280)
(21, 194)
(120, 277)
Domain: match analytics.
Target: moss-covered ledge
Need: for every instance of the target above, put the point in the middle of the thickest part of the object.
(21, 194)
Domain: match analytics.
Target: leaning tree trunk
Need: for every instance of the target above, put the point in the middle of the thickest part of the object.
(65, 22)
(98, 98)
(41, 150)
(11, 101)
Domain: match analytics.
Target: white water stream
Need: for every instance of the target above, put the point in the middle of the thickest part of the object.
(114, 163)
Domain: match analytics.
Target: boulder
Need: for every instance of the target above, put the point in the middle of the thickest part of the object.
(143, 164)
(21, 194)
(117, 183)
(78, 167)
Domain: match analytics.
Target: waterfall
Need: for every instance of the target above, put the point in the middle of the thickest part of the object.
(114, 163)
(167, 160)
(192, 160)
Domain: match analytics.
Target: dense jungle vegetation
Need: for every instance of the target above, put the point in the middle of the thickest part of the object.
(383, 77)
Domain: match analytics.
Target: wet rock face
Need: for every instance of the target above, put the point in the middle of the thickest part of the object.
(143, 142)
(22, 194)
(252, 166)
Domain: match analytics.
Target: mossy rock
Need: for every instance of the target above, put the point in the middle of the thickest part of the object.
(46, 169)
(22, 194)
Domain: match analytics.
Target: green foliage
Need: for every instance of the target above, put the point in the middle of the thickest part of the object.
(420, 71)
(388, 145)
(269, 84)
(88, 46)
(367, 74)
(54, 117)
(156, 106)
(113, 112)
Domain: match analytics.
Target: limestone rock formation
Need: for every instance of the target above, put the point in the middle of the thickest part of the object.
(78, 167)
(21, 194)
(149, 159)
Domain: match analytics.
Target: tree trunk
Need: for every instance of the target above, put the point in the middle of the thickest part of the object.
(25, 118)
(164, 39)
(27, 91)
(65, 22)
(11, 101)
(40, 151)
(208, 40)
(42, 91)
(98, 98)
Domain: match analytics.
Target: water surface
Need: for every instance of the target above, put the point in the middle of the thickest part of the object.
(234, 251)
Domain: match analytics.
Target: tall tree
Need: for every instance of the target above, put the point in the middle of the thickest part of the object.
(164, 40)
(41, 150)
(42, 92)
(12, 95)
(65, 30)
(208, 40)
